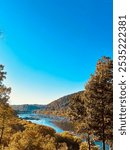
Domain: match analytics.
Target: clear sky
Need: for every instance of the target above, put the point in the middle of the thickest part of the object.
(50, 47)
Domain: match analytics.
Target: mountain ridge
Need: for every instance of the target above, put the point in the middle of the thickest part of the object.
(27, 108)
(57, 107)
(60, 106)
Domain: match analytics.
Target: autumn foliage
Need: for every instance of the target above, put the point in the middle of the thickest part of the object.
(90, 111)
(18, 134)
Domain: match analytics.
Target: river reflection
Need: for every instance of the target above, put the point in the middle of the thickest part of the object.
(42, 120)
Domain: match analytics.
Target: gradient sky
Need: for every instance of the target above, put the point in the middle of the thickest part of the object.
(50, 47)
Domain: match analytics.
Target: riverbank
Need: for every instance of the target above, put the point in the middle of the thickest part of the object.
(42, 120)
(59, 124)
(64, 125)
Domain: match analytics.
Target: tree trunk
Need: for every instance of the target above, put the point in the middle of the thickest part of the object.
(2, 130)
(1, 136)
(89, 144)
(103, 144)
(103, 132)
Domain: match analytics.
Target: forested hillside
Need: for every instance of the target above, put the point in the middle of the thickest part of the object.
(59, 107)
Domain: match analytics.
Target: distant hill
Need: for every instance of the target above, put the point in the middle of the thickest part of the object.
(27, 108)
(60, 106)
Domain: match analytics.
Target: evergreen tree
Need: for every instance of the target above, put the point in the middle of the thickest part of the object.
(4, 91)
(78, 114)
(99, 100)
(5, 110)
(92, 111)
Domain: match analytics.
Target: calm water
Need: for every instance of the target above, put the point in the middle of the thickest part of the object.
(44, 120)
(40, 119)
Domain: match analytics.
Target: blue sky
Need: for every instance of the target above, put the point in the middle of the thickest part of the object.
(50, 47)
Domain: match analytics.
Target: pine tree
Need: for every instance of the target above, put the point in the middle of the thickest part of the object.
(5, 110)
(99, 100)
(77, 113)
(4, 91)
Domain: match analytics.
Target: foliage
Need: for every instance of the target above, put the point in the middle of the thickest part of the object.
(44, 130)
(59, 107)
(85, 146)
(73, 142)
(93, 110)
(90, 110)
(4, 91)
(99, 100)
(31, 140)
(6, 113)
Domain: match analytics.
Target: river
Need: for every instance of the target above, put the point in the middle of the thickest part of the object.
(42, 120)
(48, 121)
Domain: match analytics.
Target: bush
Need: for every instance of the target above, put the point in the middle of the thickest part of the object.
(72, 141)
(31, 140)
(83, 146)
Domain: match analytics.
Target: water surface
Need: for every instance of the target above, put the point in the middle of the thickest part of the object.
(42, 120)
(47, 121)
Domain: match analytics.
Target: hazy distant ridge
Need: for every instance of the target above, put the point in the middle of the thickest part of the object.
(27, 108)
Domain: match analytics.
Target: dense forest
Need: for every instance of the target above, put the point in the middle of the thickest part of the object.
(90, 111)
